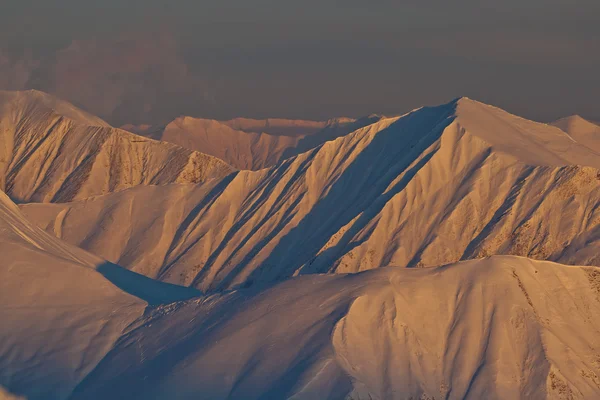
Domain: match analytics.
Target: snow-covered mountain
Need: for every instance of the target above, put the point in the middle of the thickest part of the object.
(438, 185)
(441, 184)
(52, 152)
(245, 148)
(61, 309)
(496, 328)
(581, 130)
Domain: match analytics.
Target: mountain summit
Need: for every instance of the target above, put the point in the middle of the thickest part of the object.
(581, 130)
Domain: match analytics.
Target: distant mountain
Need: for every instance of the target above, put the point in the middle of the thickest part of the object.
(278, 126)
(237, 143)
(53, 152)
(581, 130)
(440, 184)
(142, 129)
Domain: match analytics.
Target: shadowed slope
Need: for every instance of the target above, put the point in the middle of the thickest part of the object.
(61, 308)
(498, 328)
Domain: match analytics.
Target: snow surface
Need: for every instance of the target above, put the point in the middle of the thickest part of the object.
(581, 130)
(248, 149)
(52, 152)
(441, 184)
(62, 309)
(496, 328)
(438, 185)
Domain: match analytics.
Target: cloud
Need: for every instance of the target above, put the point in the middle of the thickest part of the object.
(140, 77)
(152, 61)
(15, 72)
(127, 79)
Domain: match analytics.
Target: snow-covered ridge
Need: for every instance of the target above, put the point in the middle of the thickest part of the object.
(52, 152)
(461, 181)
(531, 142)
(437, 185)
(34, 101)
(496, 328)
(248, 149)
(581, 130)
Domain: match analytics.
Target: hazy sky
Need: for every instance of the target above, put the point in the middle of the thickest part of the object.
(143, 61)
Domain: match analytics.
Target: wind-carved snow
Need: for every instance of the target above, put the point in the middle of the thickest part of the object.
(438, 185)
(52, 152)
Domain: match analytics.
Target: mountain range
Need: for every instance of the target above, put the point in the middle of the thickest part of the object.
(438, 185)
(450, 253)
(253, 144)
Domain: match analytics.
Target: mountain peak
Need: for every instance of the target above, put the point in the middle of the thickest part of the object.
(581, 130)
(54, 151)
(35, 101)
(574, 123)
(532, 142)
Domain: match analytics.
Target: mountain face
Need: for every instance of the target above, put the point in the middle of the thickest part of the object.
(496, 328)
(53, 152)
(461, 181)
(248, 149)
(581, 130)
(62, 309)
(438, 185)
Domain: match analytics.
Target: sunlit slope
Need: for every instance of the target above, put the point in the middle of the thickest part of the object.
(52, 152)
(438, 185)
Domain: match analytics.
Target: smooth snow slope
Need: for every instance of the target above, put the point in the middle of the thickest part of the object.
(52, 152)
(497, 328)
(581, 130)
(438, 185)
(61, 309)
(247, 149)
